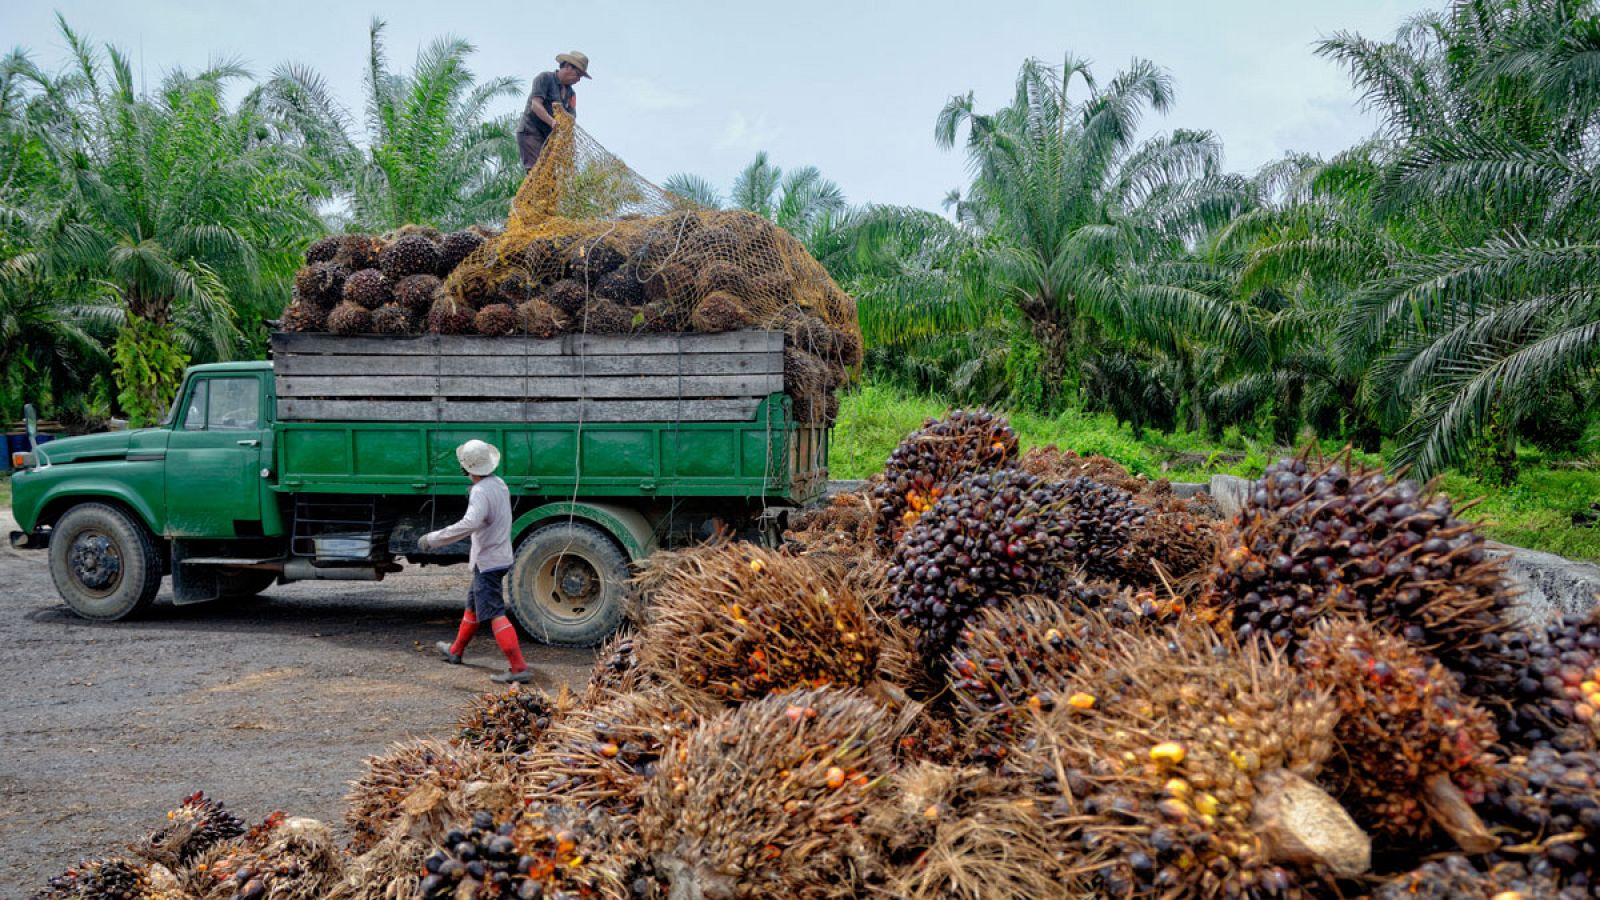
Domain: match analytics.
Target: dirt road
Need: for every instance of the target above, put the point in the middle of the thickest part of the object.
(271, 704)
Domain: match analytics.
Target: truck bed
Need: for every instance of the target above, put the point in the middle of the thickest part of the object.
(666, 416)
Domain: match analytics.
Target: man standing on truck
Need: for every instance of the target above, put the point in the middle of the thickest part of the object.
(488, 521)
(550, 89)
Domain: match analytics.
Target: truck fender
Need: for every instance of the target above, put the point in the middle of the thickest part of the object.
(56, 502)
(627, 526)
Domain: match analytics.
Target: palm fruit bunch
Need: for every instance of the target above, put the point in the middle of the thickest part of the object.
(197, 825)
(323, 249)
(1054, 464)
(451, 316)
(622, 286)
(805, 379)
(1181, 765)
(1558, 700)
(844, 526)
(304, 317)
(368, 289)
(669, 282)
(1547, 805)
(1455, 878)
(658, 317)
(740, 622)
(99, 879)
(358, 251)
(538, 853)
(616, 669)
(951, 832)
(1173, 549)
(805, 330)
(515, 287)
(1016, 659)
(765, 800)
(496, 320)
(568, 296)
(601, 316)
(720, 311)
(290, 858)
(1316, 540)
(416, 293)
(722, 276)
(992, 537)
(592, 258)
(922, 466)
(349, 318)
(320, 284)
(602, 756)
(390, 318)
(455, 247)
(508, 721)
(379, 797)
(413, 254)
(1414, 752)
(540, 319)
(847, 348)
(1099, 521)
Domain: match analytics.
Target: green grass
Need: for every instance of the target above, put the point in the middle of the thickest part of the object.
(5, 490)
(1535, 512)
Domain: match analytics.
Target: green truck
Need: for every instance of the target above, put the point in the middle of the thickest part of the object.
(329, 461)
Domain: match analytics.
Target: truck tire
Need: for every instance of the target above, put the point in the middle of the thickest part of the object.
(104, 562)
(244, 585)
(568, 586)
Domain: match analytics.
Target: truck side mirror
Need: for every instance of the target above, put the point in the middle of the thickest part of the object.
(31, 416)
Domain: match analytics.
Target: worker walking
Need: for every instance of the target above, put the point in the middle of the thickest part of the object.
(550, 90)
(488, 521)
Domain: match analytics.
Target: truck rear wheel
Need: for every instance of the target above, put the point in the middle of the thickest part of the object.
(104, 562)
(569, 585)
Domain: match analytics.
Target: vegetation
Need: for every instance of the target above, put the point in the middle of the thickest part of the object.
(1430, 295)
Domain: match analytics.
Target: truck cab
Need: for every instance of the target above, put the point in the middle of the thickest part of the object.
(228, 498)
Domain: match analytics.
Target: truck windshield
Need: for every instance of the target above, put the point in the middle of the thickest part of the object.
(172, 411)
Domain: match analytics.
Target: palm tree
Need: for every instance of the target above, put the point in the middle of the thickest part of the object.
(1082, 226)
(172, 206)
(430, 153)
(1492, 191)
(800, 201)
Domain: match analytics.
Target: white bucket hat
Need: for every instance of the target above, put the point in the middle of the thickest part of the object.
(478, 457)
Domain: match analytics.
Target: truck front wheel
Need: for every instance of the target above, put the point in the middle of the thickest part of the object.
(569, 585)
(104, 562)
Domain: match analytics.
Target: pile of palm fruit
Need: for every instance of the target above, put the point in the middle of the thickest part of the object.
(678, 276)
(994, 674)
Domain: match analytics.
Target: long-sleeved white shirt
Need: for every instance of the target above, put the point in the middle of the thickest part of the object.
(488, 520)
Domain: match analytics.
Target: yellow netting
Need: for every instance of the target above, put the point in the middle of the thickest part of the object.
(592, 247)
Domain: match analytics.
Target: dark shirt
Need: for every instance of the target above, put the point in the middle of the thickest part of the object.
(547, 91)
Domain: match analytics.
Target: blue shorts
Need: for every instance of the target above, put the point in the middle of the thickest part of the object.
(487, 596)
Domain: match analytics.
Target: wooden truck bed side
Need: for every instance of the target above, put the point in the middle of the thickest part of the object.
(589, 415)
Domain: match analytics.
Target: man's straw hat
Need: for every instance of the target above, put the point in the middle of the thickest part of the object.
(577, 59)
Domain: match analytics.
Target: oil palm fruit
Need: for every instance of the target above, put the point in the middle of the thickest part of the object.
(922, 466)
(766, 799)
(1314, 540)
(1414, 752)
(1185, 768)
(413, 254)
(1558, 688)
(739, 622)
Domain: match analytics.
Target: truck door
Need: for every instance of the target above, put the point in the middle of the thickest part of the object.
(214, 459)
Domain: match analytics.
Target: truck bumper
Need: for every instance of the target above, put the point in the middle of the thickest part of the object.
(30, 540)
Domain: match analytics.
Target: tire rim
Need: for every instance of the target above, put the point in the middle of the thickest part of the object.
(96, 562)
(568, 586)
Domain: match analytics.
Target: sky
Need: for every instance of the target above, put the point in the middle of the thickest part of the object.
(852, 88)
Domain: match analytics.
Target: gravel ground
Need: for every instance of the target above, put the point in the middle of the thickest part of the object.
(269, 704)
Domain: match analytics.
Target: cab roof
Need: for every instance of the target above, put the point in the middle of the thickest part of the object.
(253, 365)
